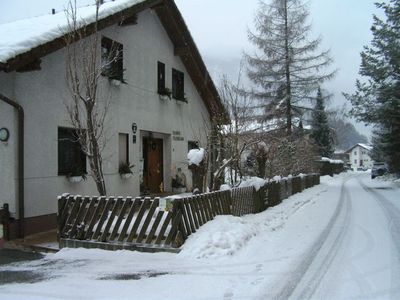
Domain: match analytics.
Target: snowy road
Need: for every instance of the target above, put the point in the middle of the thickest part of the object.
(357, 255)
(338, 240)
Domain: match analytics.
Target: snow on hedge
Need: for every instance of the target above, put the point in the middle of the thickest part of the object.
(257, 182)
(225, 187)
(332, 161)
(277, 178)
(21, 36)
(196, 156)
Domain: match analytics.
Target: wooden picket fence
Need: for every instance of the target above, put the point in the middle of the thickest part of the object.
(139, 224)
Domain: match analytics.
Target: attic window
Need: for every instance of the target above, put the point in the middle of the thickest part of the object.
(178, 85)
(112, 59)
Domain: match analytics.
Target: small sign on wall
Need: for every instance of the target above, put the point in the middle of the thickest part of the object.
(176, 136)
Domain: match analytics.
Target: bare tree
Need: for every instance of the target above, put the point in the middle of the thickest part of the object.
(87, 108)
(240, 134)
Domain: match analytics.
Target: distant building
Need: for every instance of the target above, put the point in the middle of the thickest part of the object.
(359, 156)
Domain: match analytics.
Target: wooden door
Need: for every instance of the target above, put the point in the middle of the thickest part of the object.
(154, 164)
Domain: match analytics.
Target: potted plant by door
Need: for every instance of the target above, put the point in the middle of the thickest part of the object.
(179, 182)
(76, 175)
(125, 170)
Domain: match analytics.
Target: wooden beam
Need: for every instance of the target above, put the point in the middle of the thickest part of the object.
(130, 20)
(182, 51)
(31, 66)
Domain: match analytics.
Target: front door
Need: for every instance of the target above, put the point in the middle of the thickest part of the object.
(153, 164)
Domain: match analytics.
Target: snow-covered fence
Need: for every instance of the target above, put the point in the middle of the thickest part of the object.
(139, 224)
(274, 193)
(270, 194)
(121, 223)
(197, 210)
(296, 185)
(247, 200)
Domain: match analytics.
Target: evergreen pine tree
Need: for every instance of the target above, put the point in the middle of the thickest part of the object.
(378, 143)
(321, 132)
(377, 99)
(287, 68)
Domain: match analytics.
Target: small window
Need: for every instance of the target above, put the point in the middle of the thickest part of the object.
(123, 148)
(112, 59)
(355, 152)
(192, 145)
(178, 85)
(161, 78)
(71, 159)
(355, 161)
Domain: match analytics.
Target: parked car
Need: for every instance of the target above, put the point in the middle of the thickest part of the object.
(378, 169)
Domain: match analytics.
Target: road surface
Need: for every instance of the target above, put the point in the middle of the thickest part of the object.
(357, 254)
(337, 240)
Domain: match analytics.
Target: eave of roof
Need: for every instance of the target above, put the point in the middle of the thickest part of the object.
(361, 145)
(176, 29)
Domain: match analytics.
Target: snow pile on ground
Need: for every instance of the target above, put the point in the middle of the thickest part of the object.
(195, 156)
(21, 36)
(228, 235)
(223, 236)
(389, 177)
(257, 182)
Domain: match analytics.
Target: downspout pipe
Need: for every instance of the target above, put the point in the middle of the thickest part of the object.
(21, 201)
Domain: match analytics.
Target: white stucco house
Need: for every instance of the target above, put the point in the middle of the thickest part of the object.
(144, 128)
(359, 156)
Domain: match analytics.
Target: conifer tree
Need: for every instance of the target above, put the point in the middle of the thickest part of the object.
(287, 68)
(321, 132)
(377, 99)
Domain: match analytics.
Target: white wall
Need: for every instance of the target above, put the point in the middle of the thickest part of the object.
(8, 150)
(43, 93)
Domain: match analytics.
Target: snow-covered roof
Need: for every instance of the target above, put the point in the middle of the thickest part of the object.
(365, 146)
(21, 36)
(25, 41)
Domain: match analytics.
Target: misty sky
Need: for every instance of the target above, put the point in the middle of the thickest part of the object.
(219, 28)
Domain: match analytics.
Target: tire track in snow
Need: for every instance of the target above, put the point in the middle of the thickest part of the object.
(391, 212)
(393, 216)
(311, 270)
